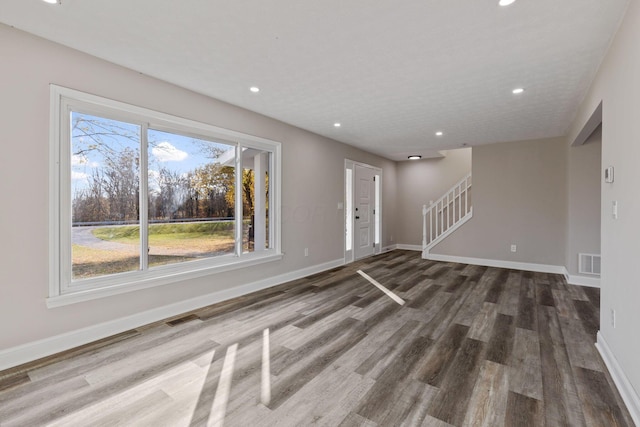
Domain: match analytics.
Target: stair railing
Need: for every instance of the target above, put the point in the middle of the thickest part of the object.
(446, 214)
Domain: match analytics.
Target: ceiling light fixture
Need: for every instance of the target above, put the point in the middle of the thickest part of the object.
(337, 125)
(414, 157)
(53, 1)
(517, 91)
(254, 89)
(505, 2)
(439, 133)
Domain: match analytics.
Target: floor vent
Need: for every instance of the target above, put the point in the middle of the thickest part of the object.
(589, 264)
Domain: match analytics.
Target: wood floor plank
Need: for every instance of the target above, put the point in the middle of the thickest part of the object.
(297, 337)
(581, 353)
(562, 405)
(577, 293)
(480, 286)
(436, 326)
(377, 362)
(355, 420)
(130, 412)
(497, 286)
(501, 342)
(600, 406)
(414, 292)
(288, 384)
(593, 294)
(525, 375)
(412, 278)
(326, 400)
(435, 366)
(523, 411)
(14, 380)
(326, 311)
(455, 282)
(544, 295)
(482, 325)
(377, 337)
(429, 421)
(564, 303)
(589, 316)
(508, 302)
(425, 296)
(488, 403)
(377, 403)
(410, 407)
(456, 388)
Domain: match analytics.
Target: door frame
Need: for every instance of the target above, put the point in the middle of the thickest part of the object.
(349, 220)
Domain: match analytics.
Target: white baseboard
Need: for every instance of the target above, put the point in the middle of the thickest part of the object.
(46, 347)
(540, 268)
(629, 395)
(409, 247)
(593, 282)
(389, 248)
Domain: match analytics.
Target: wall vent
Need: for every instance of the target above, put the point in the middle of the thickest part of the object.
(589, 264)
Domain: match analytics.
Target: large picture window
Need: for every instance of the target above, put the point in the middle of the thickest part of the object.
(141, 198)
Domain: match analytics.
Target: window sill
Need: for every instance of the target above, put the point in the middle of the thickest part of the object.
(150, 282)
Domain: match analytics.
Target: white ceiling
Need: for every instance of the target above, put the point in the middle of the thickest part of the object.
(393, 72)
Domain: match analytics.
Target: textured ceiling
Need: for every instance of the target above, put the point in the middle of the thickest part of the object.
(393, 72)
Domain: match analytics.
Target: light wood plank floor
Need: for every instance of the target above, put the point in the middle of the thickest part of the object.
(470, 346)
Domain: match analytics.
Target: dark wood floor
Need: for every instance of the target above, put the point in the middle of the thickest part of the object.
(470, 346)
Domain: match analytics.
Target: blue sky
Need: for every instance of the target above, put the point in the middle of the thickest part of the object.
(175, 152)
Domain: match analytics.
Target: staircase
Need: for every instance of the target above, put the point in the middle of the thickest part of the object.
(446, 215)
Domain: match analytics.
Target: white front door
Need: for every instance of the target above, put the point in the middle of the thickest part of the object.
(365, 203)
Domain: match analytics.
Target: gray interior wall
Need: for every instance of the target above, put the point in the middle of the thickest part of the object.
(617, 86)
(583, 218)
(519, 197)
(420, 181)
(313, 185)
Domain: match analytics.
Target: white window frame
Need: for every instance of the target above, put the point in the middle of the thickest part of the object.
(62, 290)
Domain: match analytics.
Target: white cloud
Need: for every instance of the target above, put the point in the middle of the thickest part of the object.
(165, 152)
(79, 176)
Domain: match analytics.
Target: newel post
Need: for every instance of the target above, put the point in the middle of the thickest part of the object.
(424, 226)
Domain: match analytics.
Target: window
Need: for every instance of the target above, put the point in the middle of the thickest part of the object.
(141, 198)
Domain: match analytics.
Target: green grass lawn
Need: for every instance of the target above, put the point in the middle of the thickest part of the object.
(196, 236)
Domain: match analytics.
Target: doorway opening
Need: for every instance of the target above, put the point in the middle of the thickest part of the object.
(363, 210)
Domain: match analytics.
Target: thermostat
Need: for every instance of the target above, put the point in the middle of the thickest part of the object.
(608, 175)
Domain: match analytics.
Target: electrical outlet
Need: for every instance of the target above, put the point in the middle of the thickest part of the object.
(513, 248)
(306, 251)
(613, 318)
(391, 238)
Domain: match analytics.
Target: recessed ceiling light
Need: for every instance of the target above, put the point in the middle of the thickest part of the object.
(505, 2)
(336, 124)
(414, 157)
(52, 1)
(254, 89)
(517, 91)
(439, 133)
